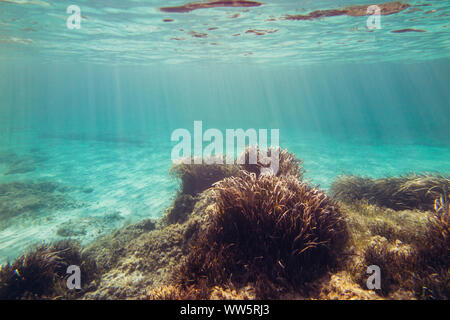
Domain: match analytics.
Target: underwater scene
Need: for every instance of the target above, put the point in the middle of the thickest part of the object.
(225, 149)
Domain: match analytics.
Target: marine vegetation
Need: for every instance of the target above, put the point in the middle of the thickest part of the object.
(196, 178)
(253, 236)
(267, 229)
(30, 200)
(411, 248)
(176, 292)
(234, 233)
(179, 211)
(439, 229)
(288, 164)
(414, 191)
(41, 273)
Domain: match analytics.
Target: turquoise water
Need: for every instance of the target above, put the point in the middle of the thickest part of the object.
(92, 110)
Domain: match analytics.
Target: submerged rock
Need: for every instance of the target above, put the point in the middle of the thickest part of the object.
(41, 273)
(88, 190)
(414, 191)
(19, 164)
(145, 255)
(32, 198)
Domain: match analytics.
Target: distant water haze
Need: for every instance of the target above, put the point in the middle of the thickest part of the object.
(375, 103)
